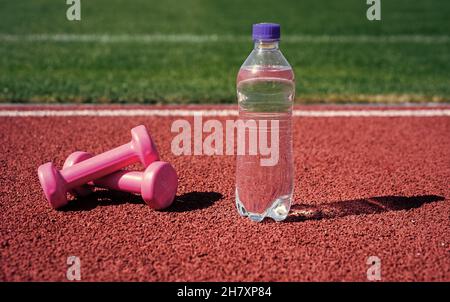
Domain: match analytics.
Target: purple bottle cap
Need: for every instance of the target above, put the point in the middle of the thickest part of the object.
(266, 31)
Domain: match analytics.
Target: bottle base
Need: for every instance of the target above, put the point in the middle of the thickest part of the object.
(278, 211)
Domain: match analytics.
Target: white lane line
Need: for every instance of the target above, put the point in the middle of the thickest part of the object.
(373, 113)
(225, 112)
(193, 38)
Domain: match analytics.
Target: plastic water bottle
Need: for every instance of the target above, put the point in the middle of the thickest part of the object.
(265, 92)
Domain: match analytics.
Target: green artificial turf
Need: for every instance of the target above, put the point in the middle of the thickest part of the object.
(344, 69)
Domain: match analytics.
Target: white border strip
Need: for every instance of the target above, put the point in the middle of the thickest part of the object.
(193, 38)
(225, 112)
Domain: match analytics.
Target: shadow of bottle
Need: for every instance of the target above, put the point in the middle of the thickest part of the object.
(373, 205)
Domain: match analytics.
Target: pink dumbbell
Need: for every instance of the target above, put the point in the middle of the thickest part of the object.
(56, 183)
(157, 184)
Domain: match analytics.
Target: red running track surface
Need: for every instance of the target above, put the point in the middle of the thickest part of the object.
(375, 186)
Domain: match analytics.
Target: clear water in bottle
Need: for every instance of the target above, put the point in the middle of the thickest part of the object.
(265, 90)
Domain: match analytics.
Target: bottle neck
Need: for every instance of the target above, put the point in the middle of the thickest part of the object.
(266, 45)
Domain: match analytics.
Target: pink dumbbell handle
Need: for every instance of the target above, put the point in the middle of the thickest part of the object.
(104, 164)
(122, 181)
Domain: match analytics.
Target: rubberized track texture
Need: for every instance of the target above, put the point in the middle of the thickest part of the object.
(365, 185)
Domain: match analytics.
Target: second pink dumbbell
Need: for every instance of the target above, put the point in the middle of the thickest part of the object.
(157, 185)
